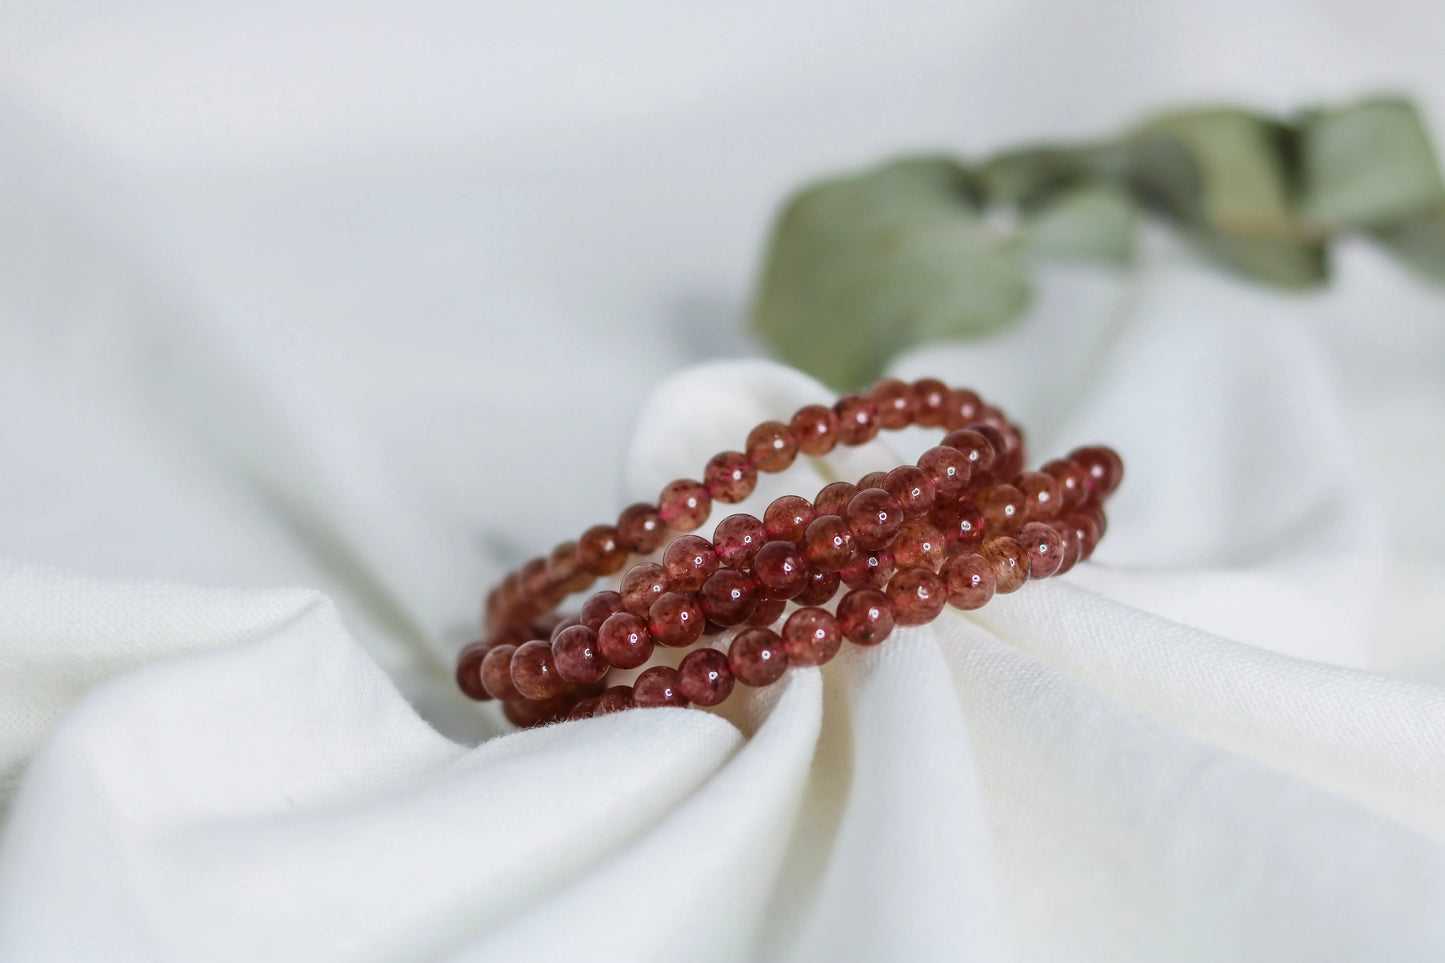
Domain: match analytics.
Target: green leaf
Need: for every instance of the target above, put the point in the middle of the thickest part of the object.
(863, 267)
(1095, 222)
(1288, 263)
(1027, 177)
(1367, 165)
(1420, 243)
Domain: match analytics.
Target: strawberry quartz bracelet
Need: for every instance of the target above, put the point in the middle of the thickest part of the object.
(963, 523)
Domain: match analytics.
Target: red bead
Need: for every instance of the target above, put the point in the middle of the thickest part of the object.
(684, 504)
(787, 518)
(534, 578)
(1013, 462)
(1087, 530)
(874, 518)
(1102, 466)
(728, 597)
(919, 543)
(729, 477)
(816, 428)
(658, 686)
(950, 471)
(968, 581)
(930, 402)
(562, 626)
(963, 409)
(575, 653)
(1073, 483)
(640, 529)
(617, 698)
(643, 584)
(689, 560)
(565, 570)
(916, 594)
(583, 709)
(497, 673)
(624, 641)
(469, 671)
(598, 607)
(757, 657)
(767, 612)
(834, 498)
(781, 570)
(737, 539)
(827, 543)
(894, 400)
(598, 550)
(865, 616)
(857, 419)
(526, 713)
(1072, 543)
(1010, 563)
(811, 636)
(874, 479)
(772, 446)
(1002, 507)
(820, 588)
(704, 677)
(675, 621)
(1042, 500)
(1045, 548)
(868, 570)
(977, 450)
(999, 443)
(913, 489)
(534, 672)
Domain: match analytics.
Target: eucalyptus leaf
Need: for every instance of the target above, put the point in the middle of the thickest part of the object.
(1097, 222)
(1420, 243)
(1367, 165)
(862, 267)
(1288, 263)
(1027, 177)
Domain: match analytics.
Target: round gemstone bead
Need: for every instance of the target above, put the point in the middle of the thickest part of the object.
(497, 673)
(781, 570)
(728, 597)
(1013, 451)
(564, 569)
(930, 402)
(1010, 563)
(874, 518)
(737, 539)
(583, 709)
(816, 428)
(865, 616)
(977, 450)
(913, 489)
(644, 584)
(874, 479)
(968, 581)
(1072, 542)
(857, 419)
(868, 570)
(575, 653)
(811, 636)
(534, 673)
(704, 677)
(820, 588)
(1086, 529)
(1045, 547)
(684, 505)
(916, 594)
(1042, 500)
(688, 561)
(730, 477)
(757, 657)
(675, 621)
(919, 543)
(658, 686)
(562, 626)
(767, 612)
(598, 607)
(617, 698)
(1073, 483)
(964, 407)
(526, 713)
(999, 443)
(640, 529)
(535, 582)
(624, 641)
(1002, 507)
(787, 518)
(599, 552)
(772, 446)
(894, 400)
(828, 543)
(469, 671)
(1102, 466)
(950, 471)
(834, 497)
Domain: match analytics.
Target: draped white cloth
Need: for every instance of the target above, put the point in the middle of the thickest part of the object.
(1223, 739)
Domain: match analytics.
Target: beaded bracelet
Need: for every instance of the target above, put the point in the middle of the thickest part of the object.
(960, 525)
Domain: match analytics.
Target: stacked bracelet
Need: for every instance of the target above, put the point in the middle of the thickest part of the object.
(963, 523)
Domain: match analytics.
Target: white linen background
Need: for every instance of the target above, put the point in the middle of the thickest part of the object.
(372, 303)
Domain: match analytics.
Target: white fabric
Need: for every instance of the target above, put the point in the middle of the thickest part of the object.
(234, 356)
